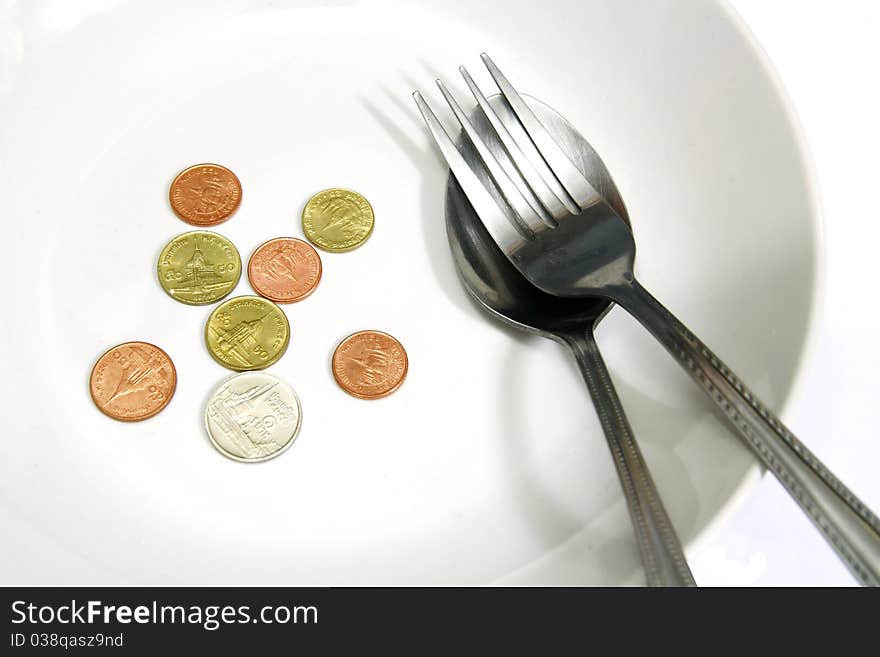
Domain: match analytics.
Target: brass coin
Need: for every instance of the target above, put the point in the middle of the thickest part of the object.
(370, 364)
(247, 333)
(285, 270)
(337, 220)
(205, 194)
(133, 381)
(199, 267)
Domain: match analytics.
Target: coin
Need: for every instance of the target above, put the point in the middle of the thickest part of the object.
(253, 416)
(205, 194)
(337, 220)
(285, 270)
(199, 267)
(369, 364)
(247, 333)
(133, 381)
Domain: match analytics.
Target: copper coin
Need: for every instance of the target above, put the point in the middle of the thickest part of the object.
(369, 364)
(133, 381)
(205, 194)
(285, 270)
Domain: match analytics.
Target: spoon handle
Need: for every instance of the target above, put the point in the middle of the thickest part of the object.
(843, 519)
(661, 551)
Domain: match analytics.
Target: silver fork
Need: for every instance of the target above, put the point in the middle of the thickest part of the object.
(500, 290)
(563, 236)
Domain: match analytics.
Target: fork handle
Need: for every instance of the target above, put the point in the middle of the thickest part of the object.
(661, 552)
(843, 519)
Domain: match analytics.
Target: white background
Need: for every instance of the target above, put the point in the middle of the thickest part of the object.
(827, 54)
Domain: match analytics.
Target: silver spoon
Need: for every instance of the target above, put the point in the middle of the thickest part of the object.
(502, 291)
(576, 245)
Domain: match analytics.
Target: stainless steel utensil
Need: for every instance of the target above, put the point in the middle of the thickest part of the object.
(562, 234)
(502, 291)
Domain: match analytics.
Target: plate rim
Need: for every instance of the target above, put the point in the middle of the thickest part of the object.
(756, 473)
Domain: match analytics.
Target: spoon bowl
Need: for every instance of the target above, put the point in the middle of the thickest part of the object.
(488, 275)
(589, 251)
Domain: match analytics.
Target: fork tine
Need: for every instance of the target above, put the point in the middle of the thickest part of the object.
(503, 230)
(578, 187)
(507, 185)
(540, 179)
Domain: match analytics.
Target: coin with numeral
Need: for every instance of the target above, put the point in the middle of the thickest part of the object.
(133, 381)
(253, 416)
(247, 333)
(199, 267)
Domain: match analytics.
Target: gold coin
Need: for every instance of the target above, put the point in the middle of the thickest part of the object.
(199, 267)
(337, 220)
(247, 333)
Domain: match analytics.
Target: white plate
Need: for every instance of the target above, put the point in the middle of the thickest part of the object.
(488, 465)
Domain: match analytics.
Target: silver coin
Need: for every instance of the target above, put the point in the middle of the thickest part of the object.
(253, 416)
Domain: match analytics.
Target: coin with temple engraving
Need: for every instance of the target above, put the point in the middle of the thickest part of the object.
(133, 381)
(253, 417)
(205, 194)
(370, 364)
(199, 267)
(337, 220)
(285, 270)
(247, 333)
